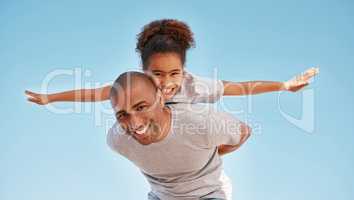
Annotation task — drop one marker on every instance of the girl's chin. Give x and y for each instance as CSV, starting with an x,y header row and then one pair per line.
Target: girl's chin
x,y
168,97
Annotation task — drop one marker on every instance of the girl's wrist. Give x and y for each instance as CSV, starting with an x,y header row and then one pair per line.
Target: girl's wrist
x,y
51,98
284,86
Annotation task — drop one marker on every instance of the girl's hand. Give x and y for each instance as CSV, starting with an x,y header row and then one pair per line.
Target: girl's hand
x,y
300,81
40,99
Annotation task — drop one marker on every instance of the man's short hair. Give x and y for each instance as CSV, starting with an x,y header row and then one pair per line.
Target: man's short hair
x,y
128,79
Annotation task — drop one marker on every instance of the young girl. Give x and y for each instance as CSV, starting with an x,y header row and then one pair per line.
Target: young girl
x,y
162,45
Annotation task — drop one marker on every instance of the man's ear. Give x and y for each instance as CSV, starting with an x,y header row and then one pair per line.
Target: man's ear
x,y
147,72
160,97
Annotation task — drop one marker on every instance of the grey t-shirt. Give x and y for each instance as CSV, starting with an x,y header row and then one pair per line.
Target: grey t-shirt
x,y
196,89
185,164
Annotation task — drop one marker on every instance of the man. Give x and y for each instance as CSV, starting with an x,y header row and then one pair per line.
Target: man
x,y
177,146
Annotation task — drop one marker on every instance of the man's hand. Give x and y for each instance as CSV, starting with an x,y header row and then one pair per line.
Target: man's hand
x,y
224,149
298,82
40,99
245,132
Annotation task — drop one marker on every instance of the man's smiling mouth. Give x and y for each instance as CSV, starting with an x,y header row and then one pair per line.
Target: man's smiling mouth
x,y
142,131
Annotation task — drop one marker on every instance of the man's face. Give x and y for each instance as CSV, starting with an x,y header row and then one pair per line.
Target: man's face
x,y
138,109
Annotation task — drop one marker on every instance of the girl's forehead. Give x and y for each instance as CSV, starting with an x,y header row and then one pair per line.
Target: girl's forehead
x,y
164,61
165,69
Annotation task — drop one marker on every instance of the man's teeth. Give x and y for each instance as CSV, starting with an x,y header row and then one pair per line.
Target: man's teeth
x,y
142,131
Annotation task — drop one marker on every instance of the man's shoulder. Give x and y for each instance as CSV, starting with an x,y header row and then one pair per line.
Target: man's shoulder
x,y
192,112
115,137
192,108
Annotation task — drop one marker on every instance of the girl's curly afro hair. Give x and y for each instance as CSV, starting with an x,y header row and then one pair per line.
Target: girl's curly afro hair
x,y
164,36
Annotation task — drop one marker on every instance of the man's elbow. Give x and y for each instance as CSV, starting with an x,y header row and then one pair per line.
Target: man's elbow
x,y
245,132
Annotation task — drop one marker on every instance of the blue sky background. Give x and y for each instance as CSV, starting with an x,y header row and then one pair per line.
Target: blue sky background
x,y
44,155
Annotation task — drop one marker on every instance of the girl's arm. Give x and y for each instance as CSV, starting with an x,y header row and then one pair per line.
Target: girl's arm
x,y
258,87
81,95
251,87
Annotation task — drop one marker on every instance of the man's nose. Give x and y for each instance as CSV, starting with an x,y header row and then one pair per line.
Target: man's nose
x,y
135,123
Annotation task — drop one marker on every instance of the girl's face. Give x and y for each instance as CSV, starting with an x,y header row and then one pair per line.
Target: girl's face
x,y
167,71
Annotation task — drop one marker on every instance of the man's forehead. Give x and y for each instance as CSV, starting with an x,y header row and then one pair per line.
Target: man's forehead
x,y
132,95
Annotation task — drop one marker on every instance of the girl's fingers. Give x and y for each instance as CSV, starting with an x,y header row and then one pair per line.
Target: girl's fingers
x,y
306,76
298,80
29,92
34,100
299,87
31,99
310,73
32,94
302,80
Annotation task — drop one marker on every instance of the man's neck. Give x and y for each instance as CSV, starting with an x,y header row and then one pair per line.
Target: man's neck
x,y
165,122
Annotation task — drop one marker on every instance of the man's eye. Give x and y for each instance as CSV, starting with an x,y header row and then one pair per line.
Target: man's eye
x,y
140,108
157,74
121,116
175,73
